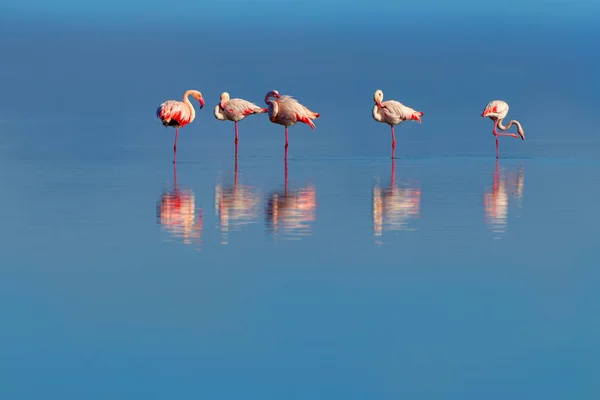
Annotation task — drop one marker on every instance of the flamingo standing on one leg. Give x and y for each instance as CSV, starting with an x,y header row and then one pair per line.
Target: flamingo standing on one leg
x,y
235,110
179,113
285,110
393,112
496,110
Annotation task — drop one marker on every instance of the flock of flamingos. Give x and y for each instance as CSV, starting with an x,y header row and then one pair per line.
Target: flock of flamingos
x,y
295,210
287,111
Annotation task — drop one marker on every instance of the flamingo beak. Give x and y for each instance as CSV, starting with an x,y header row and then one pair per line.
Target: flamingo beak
x,y
379,104
201,100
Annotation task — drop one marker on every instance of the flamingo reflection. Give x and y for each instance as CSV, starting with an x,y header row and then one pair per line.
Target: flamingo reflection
x,y
176,213
394,207
291,212
235,205
496,198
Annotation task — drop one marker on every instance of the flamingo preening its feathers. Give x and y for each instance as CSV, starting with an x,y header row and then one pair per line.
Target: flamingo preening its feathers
x,y
285,110
235,110
393,112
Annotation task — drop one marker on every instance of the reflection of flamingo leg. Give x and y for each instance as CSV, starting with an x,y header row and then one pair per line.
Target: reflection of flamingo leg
x,y
286,177
393,173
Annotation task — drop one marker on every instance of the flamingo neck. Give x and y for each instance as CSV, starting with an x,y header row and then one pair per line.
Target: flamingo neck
x,y
188,103
273,108
377,113
511,123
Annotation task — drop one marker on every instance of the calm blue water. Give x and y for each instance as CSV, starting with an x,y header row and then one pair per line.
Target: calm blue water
x,y
442,275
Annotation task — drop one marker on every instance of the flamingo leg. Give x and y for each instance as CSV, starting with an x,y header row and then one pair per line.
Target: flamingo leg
x,y
393,143
236,134
175,145
509,134
496,134
286,142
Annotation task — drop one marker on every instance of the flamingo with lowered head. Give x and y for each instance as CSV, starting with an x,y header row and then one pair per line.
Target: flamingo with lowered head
x,y
178,114
235,110
496,110
393,112
285,110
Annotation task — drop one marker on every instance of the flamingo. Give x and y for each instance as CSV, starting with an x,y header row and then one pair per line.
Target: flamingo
x,y
496,110
393,112
179,113
285,110
235,110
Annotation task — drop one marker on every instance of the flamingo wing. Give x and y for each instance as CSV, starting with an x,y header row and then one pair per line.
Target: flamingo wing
x,y
495,108
398,111
242,107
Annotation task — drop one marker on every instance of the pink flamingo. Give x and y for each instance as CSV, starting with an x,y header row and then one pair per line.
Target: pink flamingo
x,y
179,113
496,110
235,110
285,110
393,112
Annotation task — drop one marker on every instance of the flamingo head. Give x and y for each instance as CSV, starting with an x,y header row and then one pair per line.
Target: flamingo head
x,y
224,99
378,97
198,96
272,93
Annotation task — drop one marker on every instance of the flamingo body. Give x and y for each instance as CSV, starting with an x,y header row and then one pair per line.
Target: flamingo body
x,y
235,109
175,113
495,109
393,113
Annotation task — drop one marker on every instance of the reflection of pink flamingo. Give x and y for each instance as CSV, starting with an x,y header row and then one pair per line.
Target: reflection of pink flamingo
x,y
235,206
235,110
394,206
496,200
393,112
497,110
292,210
177,213
285,110
179,113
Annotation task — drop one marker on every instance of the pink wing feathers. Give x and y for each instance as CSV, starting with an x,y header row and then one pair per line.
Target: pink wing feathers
x,y
174,113
496,108
235,107
294,110
395,110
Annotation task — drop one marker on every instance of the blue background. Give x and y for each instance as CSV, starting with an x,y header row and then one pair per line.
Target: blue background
x,y
99,300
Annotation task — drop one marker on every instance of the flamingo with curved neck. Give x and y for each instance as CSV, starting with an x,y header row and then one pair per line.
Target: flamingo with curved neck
x,y
496,110
178,114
